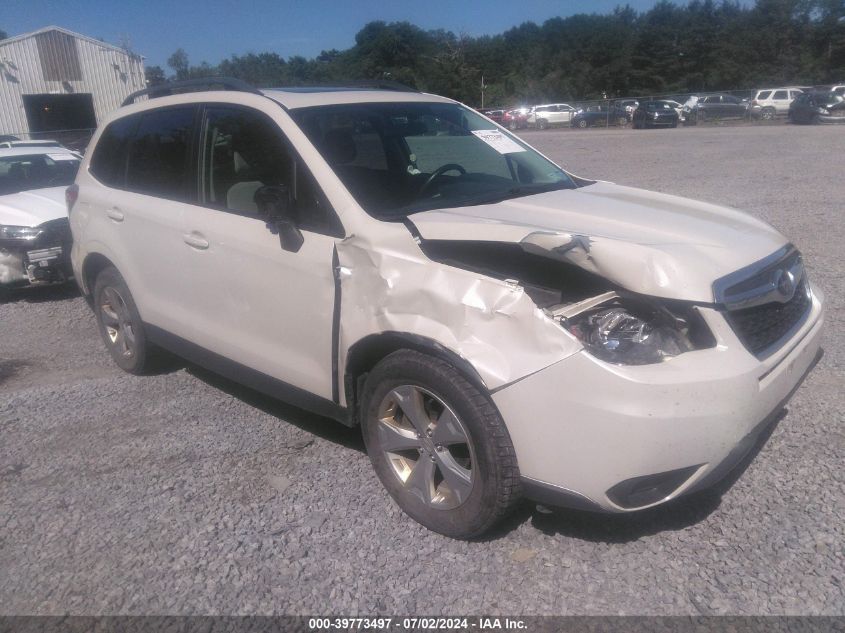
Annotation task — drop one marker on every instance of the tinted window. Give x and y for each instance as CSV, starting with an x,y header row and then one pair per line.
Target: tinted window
x,y
159,153
779,94
243,151
764,94
108,164
730,99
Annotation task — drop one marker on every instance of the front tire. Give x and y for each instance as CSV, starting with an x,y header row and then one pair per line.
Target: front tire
x,y
582,123
438,445
120,324
542,124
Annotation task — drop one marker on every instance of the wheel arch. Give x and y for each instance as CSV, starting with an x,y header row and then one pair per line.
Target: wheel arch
x,y
366,353
91,267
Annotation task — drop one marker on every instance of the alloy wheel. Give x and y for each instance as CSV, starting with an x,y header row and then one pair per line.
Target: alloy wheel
x,y
427,446
117,321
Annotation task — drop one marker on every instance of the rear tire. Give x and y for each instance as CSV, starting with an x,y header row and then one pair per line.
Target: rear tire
x,y
438,445
120,324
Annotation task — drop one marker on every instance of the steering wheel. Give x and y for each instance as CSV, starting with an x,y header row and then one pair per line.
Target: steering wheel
x,y
439,172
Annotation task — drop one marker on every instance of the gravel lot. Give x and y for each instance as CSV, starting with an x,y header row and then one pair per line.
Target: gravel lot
x,y
182,493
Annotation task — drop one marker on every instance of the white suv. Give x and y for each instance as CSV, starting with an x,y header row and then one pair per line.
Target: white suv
x,y
497,327
546,115
771,102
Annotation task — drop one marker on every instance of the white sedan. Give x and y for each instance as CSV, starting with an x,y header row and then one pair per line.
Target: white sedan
x,y
35,237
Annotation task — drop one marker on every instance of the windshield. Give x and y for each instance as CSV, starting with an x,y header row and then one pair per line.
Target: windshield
x,y
37,171
400,158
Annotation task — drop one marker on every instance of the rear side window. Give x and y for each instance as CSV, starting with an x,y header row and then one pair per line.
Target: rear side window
x,y
159,154
779,94
108,164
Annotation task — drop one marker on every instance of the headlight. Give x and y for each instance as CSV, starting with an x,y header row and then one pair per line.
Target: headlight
x,y
633,331
8,232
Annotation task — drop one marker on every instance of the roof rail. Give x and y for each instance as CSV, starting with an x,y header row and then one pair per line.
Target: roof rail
x,y
365,84
191,85
379,84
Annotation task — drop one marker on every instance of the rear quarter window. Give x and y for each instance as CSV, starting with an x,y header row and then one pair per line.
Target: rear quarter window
x,y
108,163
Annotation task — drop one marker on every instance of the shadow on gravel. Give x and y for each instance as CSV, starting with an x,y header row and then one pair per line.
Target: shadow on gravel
x,y
40,294
588,526
325,428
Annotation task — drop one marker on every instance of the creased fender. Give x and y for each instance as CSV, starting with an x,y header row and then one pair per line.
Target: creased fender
x,y
490,323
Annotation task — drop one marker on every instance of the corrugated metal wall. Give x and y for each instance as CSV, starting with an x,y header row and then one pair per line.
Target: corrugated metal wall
x,y
108,73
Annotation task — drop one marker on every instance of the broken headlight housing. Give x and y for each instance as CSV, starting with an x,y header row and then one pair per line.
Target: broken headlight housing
x,y
633,331
9,232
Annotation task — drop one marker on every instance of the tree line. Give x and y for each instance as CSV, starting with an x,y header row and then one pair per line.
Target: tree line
x,y
699,46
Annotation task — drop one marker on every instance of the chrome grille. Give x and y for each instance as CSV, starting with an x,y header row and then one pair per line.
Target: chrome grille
x,y
764,328
766,302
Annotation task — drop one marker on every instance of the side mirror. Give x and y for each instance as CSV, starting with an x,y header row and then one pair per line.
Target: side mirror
x,y
274,202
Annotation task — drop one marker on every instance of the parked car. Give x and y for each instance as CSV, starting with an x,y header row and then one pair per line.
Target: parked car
x,y
497,326
678,107
627,106
516,119
598,115
818,107
494,115
771,102
34,232
655,114
715,106
549,114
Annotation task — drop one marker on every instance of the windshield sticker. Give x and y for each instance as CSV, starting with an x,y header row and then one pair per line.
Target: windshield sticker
x,y
62,156
498,141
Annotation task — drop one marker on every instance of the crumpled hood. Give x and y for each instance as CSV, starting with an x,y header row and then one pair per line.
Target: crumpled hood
x,y
646,242
31,208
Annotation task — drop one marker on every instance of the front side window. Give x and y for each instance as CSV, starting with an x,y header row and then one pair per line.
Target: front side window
x,y
242,151
159,153
37,171
764,94
421,156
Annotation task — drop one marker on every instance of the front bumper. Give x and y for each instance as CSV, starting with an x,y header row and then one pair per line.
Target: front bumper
x,y
45,259
589,434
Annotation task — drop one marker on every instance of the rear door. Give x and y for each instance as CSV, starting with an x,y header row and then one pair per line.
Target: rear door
x,y
780,101
142,164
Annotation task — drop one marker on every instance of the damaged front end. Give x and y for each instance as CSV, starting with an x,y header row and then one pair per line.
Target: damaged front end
x,y
35,255
614,325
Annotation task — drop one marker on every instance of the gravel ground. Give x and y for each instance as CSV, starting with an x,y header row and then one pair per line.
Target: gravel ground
x,y
182,493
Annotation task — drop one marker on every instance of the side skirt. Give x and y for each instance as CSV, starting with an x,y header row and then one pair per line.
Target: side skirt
x,y
246,376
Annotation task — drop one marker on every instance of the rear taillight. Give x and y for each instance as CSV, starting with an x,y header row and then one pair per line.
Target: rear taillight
x,y
71,194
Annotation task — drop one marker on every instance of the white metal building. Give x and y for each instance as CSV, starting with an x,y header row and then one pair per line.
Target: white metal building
x,y
54,79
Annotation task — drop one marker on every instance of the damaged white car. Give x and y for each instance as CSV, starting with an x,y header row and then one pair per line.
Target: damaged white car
x,y
34,233
498,327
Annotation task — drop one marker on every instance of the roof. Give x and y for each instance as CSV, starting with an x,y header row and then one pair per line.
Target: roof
x,y
293,98
23,36
32,151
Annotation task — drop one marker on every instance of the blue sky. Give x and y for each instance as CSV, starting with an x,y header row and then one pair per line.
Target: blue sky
x,y
210,30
